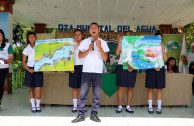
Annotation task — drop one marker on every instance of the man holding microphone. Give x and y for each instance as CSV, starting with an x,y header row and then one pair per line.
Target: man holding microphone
x,y
94,50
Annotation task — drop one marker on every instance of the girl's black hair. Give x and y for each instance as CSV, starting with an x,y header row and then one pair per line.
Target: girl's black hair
x,y
158,33
80,32
3,41
174,68
30,33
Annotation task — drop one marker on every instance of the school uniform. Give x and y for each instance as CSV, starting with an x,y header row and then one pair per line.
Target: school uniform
x,y
156,79
4,68
32,79
75,78
92,73
124,78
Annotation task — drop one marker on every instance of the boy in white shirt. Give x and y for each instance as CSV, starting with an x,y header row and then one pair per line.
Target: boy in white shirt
x,y
94,50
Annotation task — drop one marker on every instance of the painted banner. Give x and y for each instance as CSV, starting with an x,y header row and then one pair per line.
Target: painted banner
x,y
54,55
173,44
142,51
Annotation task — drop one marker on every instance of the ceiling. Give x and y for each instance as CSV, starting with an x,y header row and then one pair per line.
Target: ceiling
x,y
105,12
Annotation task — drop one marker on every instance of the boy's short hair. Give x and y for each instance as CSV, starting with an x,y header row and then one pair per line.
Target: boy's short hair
x,y
94,24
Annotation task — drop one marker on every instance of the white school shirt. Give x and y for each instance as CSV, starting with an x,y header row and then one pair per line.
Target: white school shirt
x,y
30,52
77,61
191,57
4,53
93,62
120,62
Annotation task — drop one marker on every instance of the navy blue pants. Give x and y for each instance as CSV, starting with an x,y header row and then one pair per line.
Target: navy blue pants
x,y
87,79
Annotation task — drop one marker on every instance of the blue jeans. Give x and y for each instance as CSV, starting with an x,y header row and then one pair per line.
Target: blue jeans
x,y
87,79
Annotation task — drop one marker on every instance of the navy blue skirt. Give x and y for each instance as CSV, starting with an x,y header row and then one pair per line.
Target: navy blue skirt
x,y
155,79
75,78
33,79
125,78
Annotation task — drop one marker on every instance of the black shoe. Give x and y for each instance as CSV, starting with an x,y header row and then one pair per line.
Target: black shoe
x,y
38,110
150,110
33,109
129,110
159,111
119,110
74,109
95,118
79,118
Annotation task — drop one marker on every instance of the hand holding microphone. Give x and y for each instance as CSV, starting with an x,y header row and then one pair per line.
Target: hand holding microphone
x,y
92,42
91,47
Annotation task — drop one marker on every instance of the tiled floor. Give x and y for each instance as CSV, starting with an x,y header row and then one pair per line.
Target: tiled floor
x,y
16,112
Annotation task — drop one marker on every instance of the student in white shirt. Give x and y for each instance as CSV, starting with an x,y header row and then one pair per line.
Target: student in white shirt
x,y
155,79
124,79
75,76
6,57
93,54
33,80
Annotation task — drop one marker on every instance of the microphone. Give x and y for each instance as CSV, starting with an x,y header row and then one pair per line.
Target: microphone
x,y
92,41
